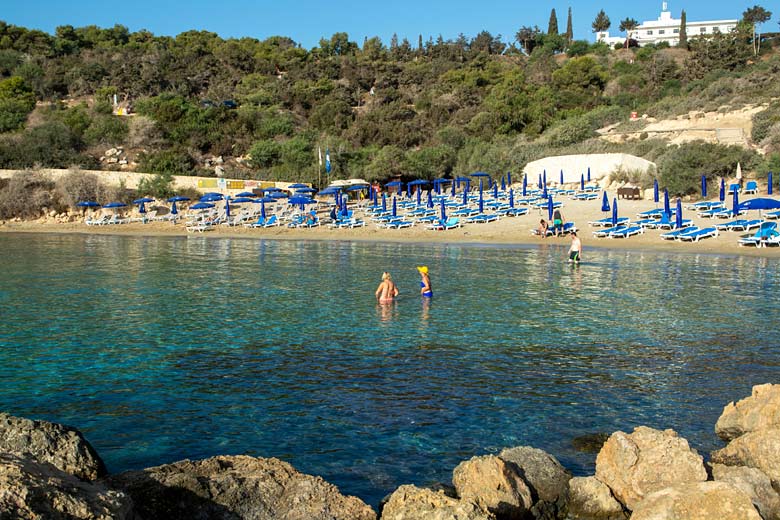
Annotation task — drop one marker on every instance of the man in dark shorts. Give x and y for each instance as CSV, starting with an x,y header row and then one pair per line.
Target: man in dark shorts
x,y
557,222
575,250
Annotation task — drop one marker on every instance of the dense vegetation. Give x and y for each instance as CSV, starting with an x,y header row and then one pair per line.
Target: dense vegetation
x,y
440,107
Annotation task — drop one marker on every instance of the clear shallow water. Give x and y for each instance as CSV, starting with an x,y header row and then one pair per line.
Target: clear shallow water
x,y
160,349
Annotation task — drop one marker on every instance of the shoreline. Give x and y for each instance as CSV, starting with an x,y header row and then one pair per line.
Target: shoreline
x,y
511,231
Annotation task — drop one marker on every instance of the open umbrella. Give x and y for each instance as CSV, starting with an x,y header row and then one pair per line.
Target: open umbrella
x,y
246,194
306,189
759,204
241,200
614,212
297,186
202,205
87,204
722,194
667,209
112,205
549,208
211,197
655,192
703,186
769,183
178,198
144,200
678,215
604,203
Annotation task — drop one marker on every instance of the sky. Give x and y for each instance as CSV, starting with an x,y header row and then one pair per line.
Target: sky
x,y
306,21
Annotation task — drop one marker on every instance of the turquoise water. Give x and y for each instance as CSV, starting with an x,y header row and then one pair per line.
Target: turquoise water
x,y
160,349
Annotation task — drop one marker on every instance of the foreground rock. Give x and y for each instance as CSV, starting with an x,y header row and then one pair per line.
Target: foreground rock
x,y
494,484
758,412
591,499
30,489
547,479
236,487
61,446
759,449
413,503
647,460
697,501
755,484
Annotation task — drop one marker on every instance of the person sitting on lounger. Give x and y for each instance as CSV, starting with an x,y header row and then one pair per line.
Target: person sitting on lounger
x,y
387,289
557,222
311,218
543,227
425,283
575,250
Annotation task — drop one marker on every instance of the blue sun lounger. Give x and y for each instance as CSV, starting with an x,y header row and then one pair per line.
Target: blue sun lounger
x,y
672,235
627,231
772,215
606,232
607,222
443,225
767,233
696,235
739,225
482,218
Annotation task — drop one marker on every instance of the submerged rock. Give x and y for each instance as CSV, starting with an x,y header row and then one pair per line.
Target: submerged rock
x,y
759,411
647,460
696,501
547,479
491,482
61,446
755,484
759,449
413,503
591,499
32,489
590,443
236,487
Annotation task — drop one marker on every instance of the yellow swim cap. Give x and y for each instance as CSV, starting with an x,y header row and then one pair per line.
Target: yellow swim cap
x,y
423,269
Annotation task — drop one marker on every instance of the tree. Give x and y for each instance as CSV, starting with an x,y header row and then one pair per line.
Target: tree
x,y
16,102
552,26
756,15
569,29
526,37
601,23
628,26
683,41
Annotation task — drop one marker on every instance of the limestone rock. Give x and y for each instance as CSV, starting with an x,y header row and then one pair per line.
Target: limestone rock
x,y
696,501
759,449
31,489
759,411
236,487
61,446
755,484
494,484
413,503
647,460
219,171
591,499
547,479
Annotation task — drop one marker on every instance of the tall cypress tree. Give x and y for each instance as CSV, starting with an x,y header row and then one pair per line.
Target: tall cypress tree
x,y
552,27
683,44
569,29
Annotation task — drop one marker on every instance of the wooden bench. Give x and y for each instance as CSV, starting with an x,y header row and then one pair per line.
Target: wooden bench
x,y
629,193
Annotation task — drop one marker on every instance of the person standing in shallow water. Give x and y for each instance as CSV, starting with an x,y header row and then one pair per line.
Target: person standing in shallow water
x,y
387,289
575,250
425,282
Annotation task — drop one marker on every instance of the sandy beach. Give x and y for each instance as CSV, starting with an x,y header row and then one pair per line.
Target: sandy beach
x,y
508,230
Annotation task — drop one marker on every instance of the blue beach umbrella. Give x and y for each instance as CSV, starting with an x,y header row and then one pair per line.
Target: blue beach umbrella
x,y
87,204
503,184
144,200
112,205
395,209
465,197
394,184
525,185
480,188
509,179
722,194
430,199
297,186
495,190
174,209
481,200
655,192
242,200
142,208
561,176
667,208
614,212
443,210
272,189
511,198
544,193
384,202
604,203
588,173
549,208
452,190
227,207
678,215
540,181
582,182
178,198
419,195
760,204
306,189
769,183
202,205
735,203
703,186
544,177
246,194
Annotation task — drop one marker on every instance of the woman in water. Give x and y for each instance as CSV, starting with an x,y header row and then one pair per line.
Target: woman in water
x,y
387,289
425,282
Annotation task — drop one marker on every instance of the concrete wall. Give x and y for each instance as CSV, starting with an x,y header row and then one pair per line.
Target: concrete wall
x,y
601,166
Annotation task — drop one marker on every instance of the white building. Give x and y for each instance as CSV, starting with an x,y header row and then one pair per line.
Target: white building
x,y
667,29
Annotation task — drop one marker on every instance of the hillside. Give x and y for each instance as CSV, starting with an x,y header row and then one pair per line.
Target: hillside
x,y
245,108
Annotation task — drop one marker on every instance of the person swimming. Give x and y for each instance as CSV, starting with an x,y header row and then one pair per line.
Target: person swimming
x,y
425,283
387,289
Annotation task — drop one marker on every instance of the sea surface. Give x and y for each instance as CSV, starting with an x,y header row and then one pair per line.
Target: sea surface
x,y
160,349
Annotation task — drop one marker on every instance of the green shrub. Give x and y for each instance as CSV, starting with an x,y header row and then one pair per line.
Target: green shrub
x,y
176,161
265,153
106,129
570,131
763,122
27,195
159,186
578,48
76,186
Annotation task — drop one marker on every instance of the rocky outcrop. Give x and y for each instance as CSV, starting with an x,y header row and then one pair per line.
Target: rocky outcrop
x,y
760,411
759,449
32,489
547,479
591,499
696,501
494,484
755,484
236,487
647,460
413,503
61,446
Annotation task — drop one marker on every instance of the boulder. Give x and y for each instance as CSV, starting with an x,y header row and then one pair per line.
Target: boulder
x,y
696,501
759,449
759,411
61,446
547,479
236,487
647,460
32,489
491,482
591,499
755,484
413,503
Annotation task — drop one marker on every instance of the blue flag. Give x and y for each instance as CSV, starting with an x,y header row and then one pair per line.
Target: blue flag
x,y
327,160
